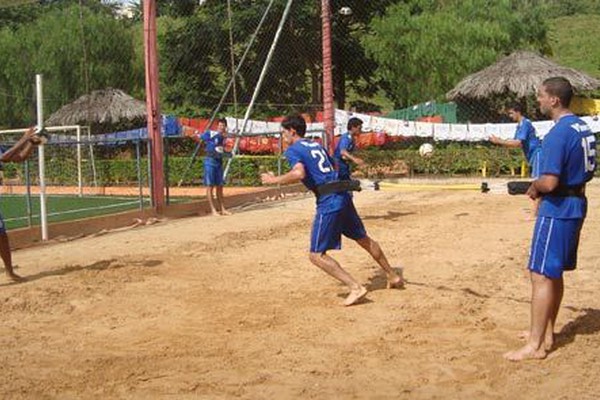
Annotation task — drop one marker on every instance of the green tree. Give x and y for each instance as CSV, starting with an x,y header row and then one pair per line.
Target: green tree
x,y
295,73
74,55
424,47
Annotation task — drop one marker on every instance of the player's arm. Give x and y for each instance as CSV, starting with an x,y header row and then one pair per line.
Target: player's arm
x,y
347,156
545,184
510,143
296,174
21,150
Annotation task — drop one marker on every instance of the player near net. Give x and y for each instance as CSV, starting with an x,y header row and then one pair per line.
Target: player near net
x,y
213,166
336,215
19,152
345,147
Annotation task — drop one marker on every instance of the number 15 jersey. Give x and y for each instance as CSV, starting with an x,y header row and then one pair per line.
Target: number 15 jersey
x,y
568,152
319,170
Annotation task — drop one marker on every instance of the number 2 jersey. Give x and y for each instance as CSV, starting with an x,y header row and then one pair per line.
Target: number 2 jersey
x,y
569,152
319,170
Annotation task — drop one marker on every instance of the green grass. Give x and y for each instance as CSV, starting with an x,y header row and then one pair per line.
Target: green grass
x,y
574,42
65,208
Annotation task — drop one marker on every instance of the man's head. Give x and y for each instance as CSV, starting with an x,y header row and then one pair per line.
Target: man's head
x,y
294,127
222,126
515,112
555,94
354,126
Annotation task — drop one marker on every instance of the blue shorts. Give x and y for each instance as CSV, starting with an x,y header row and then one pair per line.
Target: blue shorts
x,y
2,225
535,164
327,229
213,174
554,246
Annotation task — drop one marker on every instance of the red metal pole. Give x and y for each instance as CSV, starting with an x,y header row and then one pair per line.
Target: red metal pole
x,y
328,109
152,105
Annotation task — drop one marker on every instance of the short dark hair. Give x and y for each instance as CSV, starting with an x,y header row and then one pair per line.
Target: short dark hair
x,y
518,107
354,122
295,122
222,121
560,87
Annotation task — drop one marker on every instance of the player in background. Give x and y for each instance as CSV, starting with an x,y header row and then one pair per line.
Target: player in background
x,y
345,147
213,166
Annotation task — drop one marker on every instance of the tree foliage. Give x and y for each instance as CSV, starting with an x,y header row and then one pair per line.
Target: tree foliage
x,y
424,47
75,49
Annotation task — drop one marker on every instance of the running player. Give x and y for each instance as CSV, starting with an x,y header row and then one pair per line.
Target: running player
x,y
336,215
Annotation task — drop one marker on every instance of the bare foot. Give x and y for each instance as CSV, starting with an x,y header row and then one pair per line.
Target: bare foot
x,y
14,277
355,295
225,212
548,340
395,280
215,213
526,352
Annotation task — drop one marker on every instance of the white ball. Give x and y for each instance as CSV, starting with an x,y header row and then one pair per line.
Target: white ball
x,y
426,150
345,11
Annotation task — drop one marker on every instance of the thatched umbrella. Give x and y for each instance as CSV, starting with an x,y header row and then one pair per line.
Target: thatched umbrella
x,y
519,73
100,107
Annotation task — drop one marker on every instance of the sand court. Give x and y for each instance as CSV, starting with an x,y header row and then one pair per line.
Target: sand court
x,y
230,307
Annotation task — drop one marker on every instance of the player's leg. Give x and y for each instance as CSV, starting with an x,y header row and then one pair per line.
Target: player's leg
x,y
221,201
553,247
571,232
210,182
219,183
542,303
6,255
559,289
355,230
334,269
326,235
211,200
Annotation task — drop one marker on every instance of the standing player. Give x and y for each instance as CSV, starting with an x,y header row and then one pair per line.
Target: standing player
x,y
525,138
568,162
336,215
345,148
213,166
17,153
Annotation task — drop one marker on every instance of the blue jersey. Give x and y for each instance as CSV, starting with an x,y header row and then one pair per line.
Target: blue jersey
x,y
569,152
214,147
345,143
319,170
529,141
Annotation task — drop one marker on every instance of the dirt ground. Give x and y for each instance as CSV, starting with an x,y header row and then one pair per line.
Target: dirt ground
x,y
230,307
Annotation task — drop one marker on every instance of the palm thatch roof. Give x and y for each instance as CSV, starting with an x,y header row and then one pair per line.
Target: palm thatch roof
x,y
109,106
520,73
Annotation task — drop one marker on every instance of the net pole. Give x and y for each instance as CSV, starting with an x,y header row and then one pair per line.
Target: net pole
x,y
263,73
79,173
328,109
138,162
41,158
153,106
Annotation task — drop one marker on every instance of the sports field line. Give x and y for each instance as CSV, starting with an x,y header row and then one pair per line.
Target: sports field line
x,y
79,210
